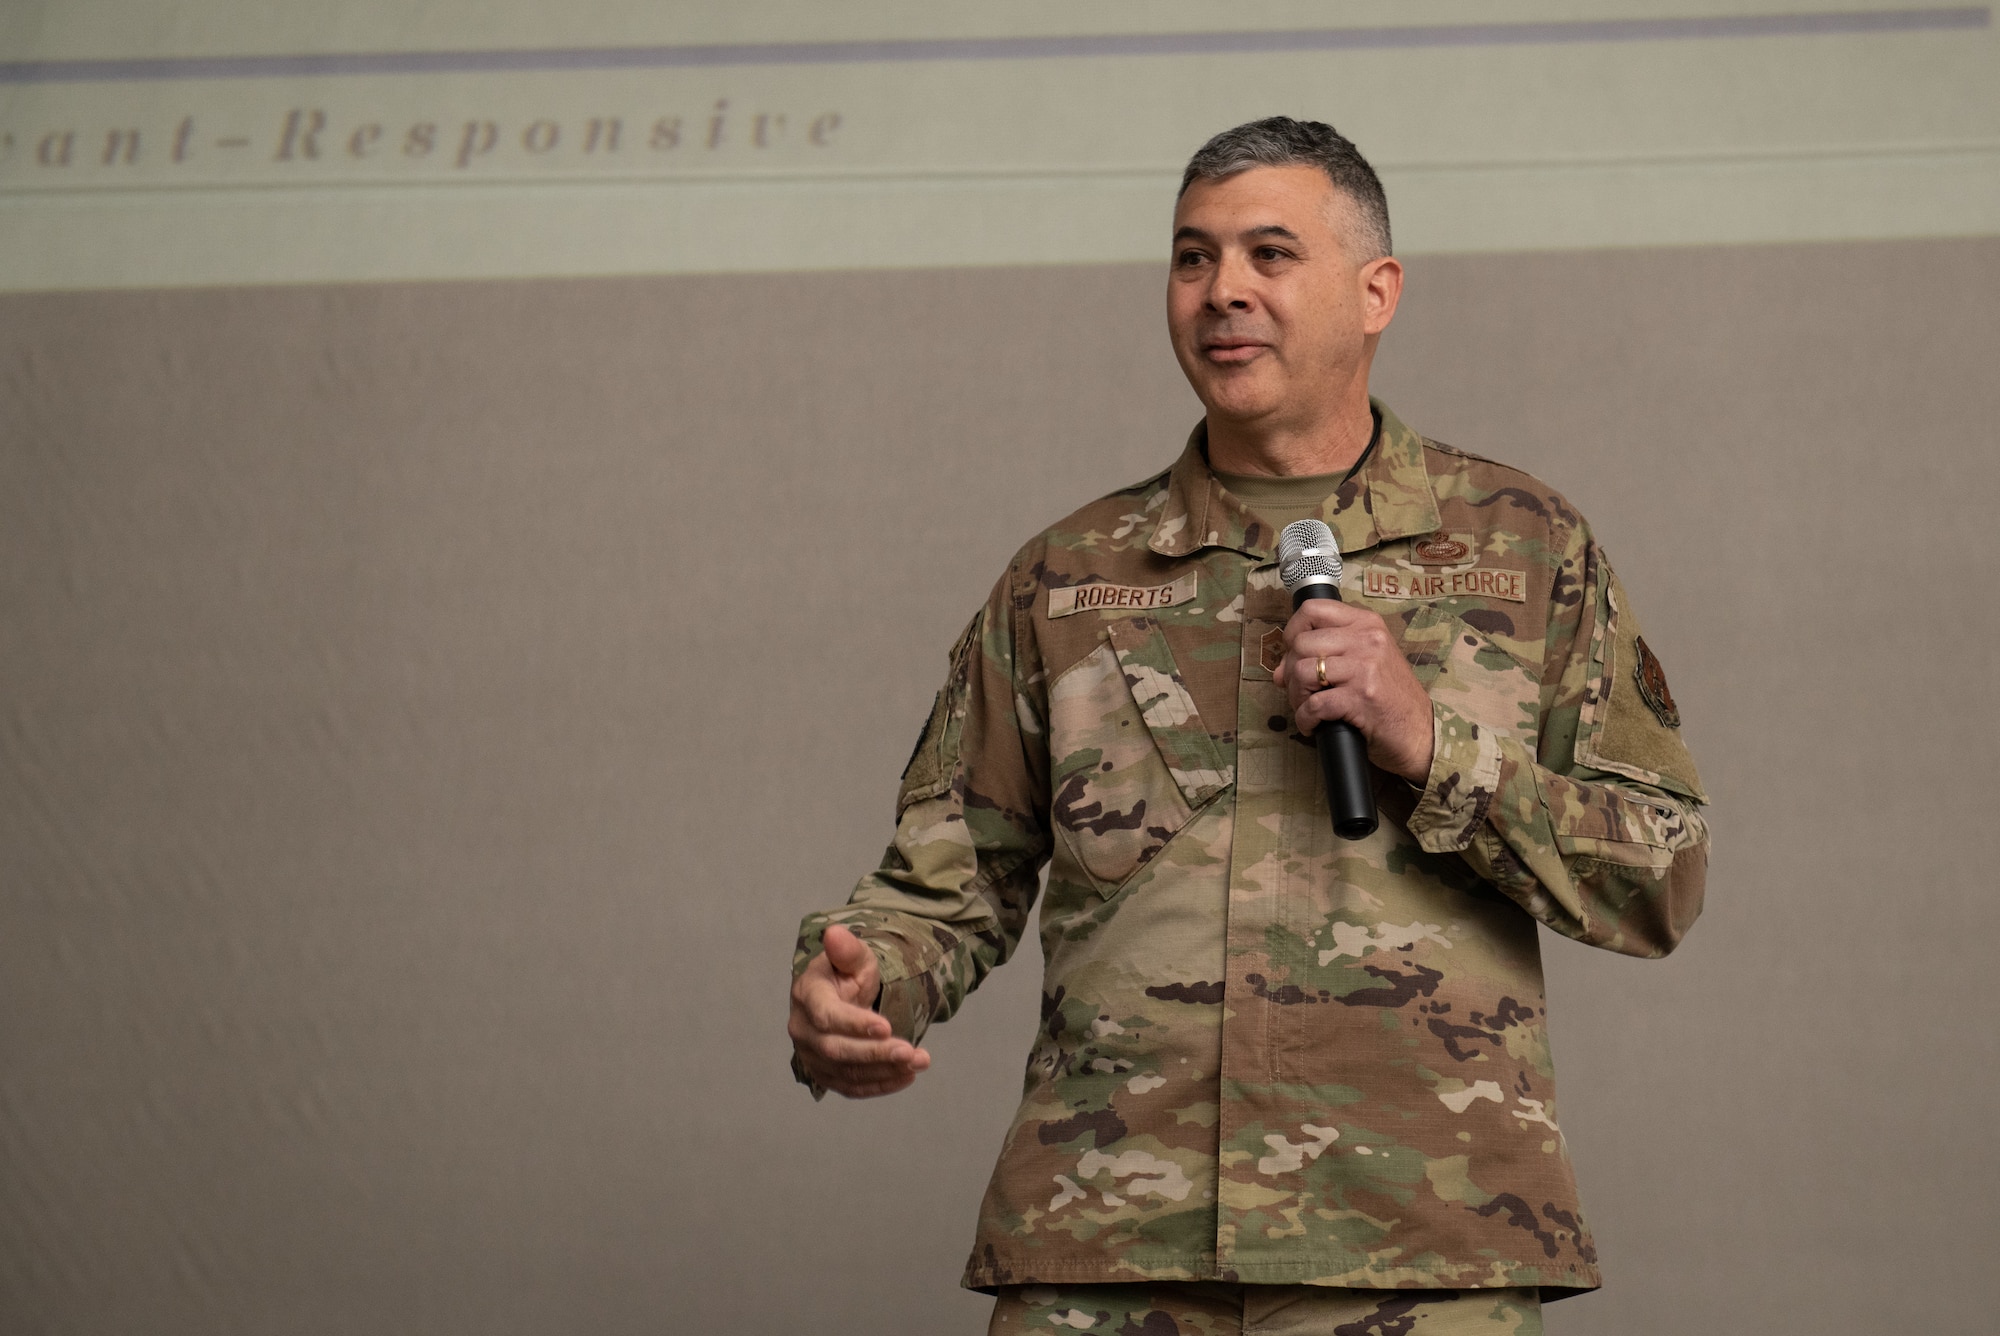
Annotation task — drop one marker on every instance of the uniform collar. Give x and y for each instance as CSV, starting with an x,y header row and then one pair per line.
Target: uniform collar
x,y
1389,498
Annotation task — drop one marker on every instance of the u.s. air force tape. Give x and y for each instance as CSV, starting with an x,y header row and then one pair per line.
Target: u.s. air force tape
x,y
1479,582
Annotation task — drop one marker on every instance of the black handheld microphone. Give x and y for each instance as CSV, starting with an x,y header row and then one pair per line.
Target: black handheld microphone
x,y
1309,565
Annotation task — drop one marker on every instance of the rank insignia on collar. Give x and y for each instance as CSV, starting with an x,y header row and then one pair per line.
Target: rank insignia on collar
x,y
1652,680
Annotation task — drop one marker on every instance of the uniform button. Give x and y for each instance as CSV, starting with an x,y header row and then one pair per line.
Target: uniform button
x,y
1277,723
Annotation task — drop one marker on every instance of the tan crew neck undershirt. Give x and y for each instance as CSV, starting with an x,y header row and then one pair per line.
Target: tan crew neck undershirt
x,y
1280,501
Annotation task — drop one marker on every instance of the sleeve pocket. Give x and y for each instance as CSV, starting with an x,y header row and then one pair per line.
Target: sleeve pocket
x,y
935,758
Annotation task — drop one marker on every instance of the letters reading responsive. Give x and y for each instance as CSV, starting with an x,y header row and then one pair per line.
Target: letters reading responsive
x,y
305,136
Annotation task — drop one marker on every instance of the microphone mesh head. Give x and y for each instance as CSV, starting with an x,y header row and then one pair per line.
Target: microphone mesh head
x,y
1307,555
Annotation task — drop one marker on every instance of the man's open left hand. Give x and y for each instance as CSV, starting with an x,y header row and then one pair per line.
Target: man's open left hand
x,y
1368,683
841,1042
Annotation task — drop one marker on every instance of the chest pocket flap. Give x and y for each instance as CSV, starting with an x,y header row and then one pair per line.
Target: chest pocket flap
x,y
1130,761
1191,753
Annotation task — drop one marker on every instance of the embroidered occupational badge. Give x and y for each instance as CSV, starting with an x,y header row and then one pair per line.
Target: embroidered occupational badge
x,y
1652,680
1442,549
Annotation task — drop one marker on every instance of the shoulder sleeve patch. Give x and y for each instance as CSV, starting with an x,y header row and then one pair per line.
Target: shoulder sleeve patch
x,y
1652,680
1630,725
935,758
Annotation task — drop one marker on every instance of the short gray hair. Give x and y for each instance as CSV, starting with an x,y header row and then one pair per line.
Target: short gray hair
x,y
1280,141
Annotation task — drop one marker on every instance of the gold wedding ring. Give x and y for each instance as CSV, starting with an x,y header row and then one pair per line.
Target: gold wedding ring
x,y
1322,674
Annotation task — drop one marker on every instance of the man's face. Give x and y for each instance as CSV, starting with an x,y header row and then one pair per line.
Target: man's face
x,y
1271,316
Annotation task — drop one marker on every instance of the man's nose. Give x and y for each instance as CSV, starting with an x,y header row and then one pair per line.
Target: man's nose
x,y
1228,289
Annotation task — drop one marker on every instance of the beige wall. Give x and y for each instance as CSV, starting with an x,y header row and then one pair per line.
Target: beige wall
x,y
428,709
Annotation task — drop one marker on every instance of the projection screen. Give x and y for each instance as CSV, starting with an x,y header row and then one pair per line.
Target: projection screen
x,y
486,492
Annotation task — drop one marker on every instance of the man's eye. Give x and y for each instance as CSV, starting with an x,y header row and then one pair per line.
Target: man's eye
x,y
1188,259
1269,253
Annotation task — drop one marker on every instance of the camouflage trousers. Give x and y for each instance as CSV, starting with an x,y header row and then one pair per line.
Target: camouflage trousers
x,y
1202,1308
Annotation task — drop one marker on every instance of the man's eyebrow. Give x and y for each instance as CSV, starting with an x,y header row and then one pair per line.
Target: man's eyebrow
x,y
1267,230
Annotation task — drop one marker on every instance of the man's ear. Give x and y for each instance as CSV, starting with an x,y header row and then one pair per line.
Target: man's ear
x,y
1381,290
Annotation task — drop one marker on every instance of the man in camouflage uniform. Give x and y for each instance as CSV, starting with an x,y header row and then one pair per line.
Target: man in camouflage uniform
x,y
1285,1082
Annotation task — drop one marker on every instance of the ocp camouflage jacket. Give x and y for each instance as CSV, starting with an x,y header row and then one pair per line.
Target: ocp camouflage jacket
x,y
1269,1055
